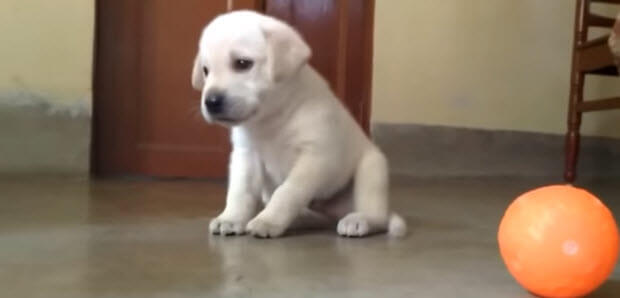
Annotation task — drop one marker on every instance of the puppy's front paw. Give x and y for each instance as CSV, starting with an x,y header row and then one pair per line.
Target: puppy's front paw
x,y
262,228
353,225
226,227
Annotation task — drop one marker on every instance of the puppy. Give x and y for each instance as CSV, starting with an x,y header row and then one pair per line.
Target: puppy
x,y
294,144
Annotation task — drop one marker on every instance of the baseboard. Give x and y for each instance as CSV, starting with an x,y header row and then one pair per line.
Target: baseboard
x,y
435,151
36,138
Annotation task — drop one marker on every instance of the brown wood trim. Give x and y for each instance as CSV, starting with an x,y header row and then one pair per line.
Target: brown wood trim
x,y
94,143
599,104
117,32
368,63
360,60
341,67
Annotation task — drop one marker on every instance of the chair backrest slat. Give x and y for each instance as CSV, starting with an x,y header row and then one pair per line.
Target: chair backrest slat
x,y
595,20
607,1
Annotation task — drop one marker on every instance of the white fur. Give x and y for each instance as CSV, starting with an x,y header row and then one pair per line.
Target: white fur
x,y
294,143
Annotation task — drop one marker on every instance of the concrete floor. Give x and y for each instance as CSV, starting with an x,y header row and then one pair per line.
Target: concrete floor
x,y
75,238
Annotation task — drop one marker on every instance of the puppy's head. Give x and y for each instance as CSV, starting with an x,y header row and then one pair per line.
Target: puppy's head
x,y
242,55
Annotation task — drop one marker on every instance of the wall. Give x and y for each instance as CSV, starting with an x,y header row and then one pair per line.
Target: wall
x,y
45,85
499,65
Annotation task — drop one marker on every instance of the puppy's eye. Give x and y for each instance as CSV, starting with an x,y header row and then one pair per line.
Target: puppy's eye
x,y
205,71
242,64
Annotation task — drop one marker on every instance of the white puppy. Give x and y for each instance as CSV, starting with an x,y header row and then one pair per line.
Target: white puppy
x,y
294,144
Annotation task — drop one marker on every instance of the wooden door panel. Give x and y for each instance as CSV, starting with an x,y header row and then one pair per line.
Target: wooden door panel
x,y
147,119
172,138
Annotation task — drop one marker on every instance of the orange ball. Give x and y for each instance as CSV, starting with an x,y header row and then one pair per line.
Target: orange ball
x,y
559,241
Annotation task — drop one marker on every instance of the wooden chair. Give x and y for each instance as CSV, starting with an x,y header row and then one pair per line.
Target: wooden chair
x,y
589,57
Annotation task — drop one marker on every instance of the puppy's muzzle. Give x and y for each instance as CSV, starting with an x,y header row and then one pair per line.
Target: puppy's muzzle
x,y
215,102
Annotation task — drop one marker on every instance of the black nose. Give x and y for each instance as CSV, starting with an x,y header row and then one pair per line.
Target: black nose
x,y
215,102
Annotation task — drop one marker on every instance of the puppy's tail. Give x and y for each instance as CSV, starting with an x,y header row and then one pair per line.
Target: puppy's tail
x,y
397,227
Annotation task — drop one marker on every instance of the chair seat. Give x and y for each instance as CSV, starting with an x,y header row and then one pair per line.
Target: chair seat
x,y
595,57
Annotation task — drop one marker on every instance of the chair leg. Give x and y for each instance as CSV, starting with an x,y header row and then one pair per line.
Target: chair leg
x,y
572,154
574,124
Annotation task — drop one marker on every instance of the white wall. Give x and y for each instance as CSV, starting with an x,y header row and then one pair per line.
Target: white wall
x,y
491,64
46,50
46,54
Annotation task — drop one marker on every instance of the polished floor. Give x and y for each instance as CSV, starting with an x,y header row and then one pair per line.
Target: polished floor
x,y
67,237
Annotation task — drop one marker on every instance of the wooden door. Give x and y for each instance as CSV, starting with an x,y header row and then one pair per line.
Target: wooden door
x,y
146,116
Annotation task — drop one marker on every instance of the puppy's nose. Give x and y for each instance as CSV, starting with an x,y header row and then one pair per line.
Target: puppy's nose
x,y
215,102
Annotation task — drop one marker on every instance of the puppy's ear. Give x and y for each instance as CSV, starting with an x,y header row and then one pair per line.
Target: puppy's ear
x,y
288,52
198,80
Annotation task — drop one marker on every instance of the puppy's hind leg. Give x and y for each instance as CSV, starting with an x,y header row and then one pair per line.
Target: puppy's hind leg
x,y
371,212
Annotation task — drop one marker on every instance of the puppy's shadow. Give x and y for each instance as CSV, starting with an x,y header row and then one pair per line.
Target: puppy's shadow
x,y
301,232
